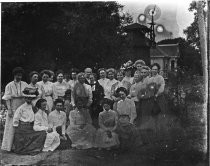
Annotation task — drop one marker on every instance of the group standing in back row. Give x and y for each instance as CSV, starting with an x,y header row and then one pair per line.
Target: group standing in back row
x,y
82,112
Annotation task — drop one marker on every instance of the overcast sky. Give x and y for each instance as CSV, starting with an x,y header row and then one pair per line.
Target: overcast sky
x,y
174,14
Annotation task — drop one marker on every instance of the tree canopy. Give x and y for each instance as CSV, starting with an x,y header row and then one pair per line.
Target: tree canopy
x,y
61,35
192,32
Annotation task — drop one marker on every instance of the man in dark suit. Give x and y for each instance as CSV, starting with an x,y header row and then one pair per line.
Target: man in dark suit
x,y
88,72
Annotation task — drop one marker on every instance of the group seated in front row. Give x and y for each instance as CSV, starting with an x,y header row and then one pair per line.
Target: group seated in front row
x,y
36,132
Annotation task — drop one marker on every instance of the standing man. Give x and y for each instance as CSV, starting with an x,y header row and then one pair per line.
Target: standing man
x,y
88,72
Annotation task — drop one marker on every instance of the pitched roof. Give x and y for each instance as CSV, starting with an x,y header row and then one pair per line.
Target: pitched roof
x,y
165,50
137,26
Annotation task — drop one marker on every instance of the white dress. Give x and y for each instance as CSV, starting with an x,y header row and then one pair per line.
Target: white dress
x,y
48,93
13,92
129,79
107,122
103,81
108,87
59,89
81,137
41,123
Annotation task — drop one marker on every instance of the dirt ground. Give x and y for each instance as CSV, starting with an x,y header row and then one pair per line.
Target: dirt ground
x,y
164,153
179,146
144,157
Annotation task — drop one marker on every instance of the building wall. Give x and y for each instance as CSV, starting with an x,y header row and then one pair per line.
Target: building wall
x,y
138,48
159,61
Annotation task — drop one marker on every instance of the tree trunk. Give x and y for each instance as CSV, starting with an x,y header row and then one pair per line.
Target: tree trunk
x,y
203,43
208,53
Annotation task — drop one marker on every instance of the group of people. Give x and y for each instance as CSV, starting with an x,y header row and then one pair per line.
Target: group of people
x,y
81,112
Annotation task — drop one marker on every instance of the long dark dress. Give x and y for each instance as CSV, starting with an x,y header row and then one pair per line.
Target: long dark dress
x,y
26,140
125,129
151,109
96,107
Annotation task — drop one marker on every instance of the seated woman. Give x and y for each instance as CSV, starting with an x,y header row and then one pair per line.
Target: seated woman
x,y
106,136
57,120
41,124
26,140
126,114
80,130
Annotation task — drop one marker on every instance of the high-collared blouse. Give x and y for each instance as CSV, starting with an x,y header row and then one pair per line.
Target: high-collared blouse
x,y
128,79
72,84
141,88
40,121
77,118
23,113
127,107
108,87
133,92
14,90
107,119
159,80
88,90
119,84
47,86
103,81
56,119
59,89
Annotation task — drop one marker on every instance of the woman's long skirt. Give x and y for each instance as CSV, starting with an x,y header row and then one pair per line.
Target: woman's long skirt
x,y
9,129
105,141
27,141
151,111
82,138
127,134
49,103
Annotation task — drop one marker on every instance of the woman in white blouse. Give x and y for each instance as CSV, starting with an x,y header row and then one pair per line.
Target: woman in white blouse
x,y
159,81
59,87
26,140
14,98
47,86
126,111
110,82
41,124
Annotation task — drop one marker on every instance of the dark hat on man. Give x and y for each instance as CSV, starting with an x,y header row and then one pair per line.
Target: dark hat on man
x,y
18,70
